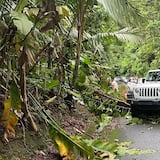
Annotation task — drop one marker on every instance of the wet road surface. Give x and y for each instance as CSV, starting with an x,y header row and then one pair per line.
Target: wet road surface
x,y
144,136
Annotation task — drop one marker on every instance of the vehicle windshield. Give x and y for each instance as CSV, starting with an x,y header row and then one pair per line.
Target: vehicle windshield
x,y
153,76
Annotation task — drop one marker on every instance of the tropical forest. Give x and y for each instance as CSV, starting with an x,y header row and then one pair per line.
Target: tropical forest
x,y
58,61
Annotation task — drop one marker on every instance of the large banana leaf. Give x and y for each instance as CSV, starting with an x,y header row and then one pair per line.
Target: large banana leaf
x,y
56,131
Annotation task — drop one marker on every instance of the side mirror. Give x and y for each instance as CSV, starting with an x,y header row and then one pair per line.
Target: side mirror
x,y
143,80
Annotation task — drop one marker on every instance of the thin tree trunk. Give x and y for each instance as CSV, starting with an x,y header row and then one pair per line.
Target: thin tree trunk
x,y
25,110
81,13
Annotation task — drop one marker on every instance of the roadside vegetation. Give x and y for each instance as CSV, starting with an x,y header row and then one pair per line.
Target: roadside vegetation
x,y
59,55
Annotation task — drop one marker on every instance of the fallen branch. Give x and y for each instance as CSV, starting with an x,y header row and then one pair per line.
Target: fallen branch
x,y
119,102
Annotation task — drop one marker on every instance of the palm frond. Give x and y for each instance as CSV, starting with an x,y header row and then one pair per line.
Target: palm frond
x,y
122,12
56,130
126,34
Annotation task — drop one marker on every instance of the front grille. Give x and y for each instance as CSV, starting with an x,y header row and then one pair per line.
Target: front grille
x,y
149,92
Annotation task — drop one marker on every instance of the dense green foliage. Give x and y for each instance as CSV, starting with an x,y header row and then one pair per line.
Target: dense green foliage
x,y
133,59
57,50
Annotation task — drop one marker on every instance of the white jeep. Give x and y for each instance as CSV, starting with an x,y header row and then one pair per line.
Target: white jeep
x,y
145,95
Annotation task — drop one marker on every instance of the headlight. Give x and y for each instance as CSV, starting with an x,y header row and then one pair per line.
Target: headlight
x,y
137,90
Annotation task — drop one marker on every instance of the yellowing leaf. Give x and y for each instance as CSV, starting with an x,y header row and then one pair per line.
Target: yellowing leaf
x,y
9,120
13,120
50,100
63,149
63,10
17,47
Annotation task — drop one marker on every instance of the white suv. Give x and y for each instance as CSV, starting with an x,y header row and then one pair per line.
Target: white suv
x,y
146,95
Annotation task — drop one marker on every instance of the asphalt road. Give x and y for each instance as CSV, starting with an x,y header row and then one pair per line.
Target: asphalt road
x,y
144,136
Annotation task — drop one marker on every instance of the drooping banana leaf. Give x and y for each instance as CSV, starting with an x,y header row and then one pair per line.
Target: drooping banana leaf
x,y
55,130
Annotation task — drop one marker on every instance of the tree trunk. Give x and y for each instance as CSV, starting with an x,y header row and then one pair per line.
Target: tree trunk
x,y
25,110
80,25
